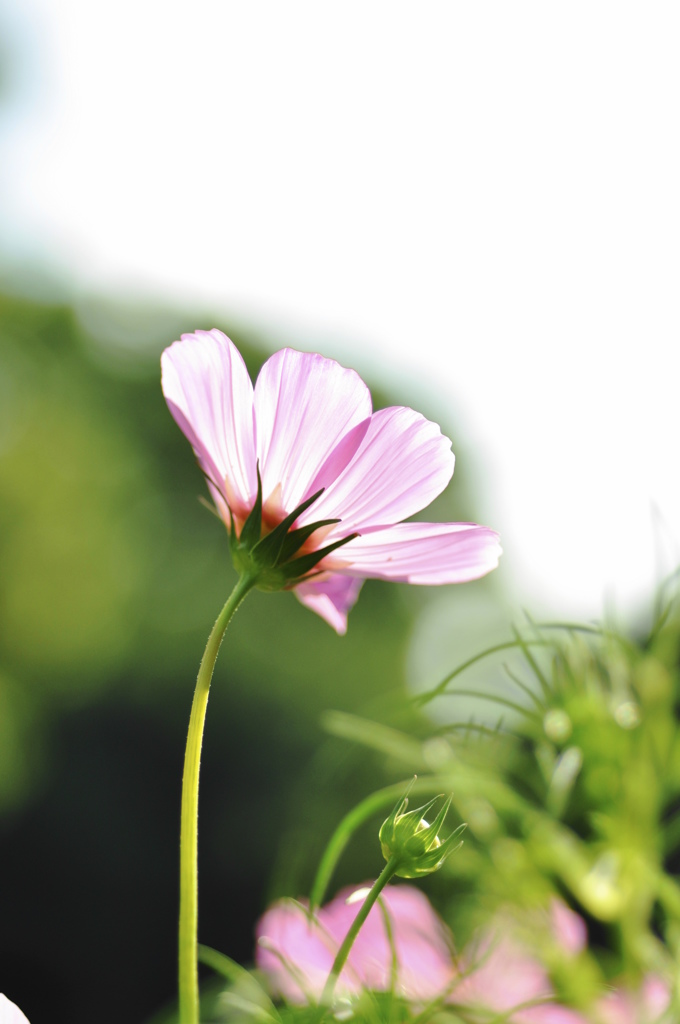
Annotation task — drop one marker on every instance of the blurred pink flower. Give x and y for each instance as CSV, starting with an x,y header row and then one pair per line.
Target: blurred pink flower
x,y
644,1006
498,974
509,974
507,977
9,1013
297,952
568,928
308,423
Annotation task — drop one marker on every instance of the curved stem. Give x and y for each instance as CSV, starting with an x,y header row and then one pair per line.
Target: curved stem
x,y
342,954
188,846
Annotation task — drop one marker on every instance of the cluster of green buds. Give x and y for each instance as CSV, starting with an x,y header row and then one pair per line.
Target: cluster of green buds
x,y
271,557
411,843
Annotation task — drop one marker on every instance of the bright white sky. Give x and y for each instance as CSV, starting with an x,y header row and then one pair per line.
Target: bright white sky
x,y
480,200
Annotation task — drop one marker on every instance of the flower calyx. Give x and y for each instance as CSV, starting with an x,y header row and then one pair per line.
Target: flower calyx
x,y
414,844
271,557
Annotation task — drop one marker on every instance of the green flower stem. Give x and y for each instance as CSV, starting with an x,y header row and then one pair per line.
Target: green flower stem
x,y
340,960
189,1010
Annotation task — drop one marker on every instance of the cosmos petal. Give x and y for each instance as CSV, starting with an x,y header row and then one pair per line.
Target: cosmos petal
x,y
331,598
209,393
10,1012
402,464
426,553
309,413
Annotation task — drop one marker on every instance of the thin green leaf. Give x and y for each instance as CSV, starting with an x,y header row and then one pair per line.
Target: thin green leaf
x,y
472,726
533,664
525,689
234,973
483,695
374,735
440,688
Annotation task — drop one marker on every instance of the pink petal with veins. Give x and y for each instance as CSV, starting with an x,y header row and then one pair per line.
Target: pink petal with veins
x,y
307,410
425,553
402,464
209,393
331,598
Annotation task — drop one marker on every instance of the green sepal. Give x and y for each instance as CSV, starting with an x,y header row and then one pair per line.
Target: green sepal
x,y
251,530
415,846
424,837
267,551
435,857
400,809
296,538
301,566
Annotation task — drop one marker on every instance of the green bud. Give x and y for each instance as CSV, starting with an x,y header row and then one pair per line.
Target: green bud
x,y
409,839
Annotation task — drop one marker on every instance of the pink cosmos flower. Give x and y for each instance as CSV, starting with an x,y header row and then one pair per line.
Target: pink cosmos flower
x,y
308,424
296,952
9,1013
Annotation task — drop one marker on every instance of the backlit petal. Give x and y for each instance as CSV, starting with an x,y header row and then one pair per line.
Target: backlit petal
x,y
331,598
403,462
306,407
427,553
209,393
10,1013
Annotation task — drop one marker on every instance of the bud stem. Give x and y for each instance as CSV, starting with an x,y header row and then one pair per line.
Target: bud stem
x,y
189,1010
340,960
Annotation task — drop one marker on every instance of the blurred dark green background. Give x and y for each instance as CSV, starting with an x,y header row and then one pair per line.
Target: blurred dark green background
x,y
111,574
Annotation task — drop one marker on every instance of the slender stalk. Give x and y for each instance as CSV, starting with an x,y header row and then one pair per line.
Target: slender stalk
x,y
342,954
189,1009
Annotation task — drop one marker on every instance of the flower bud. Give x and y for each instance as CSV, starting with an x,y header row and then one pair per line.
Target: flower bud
x,y
413,843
